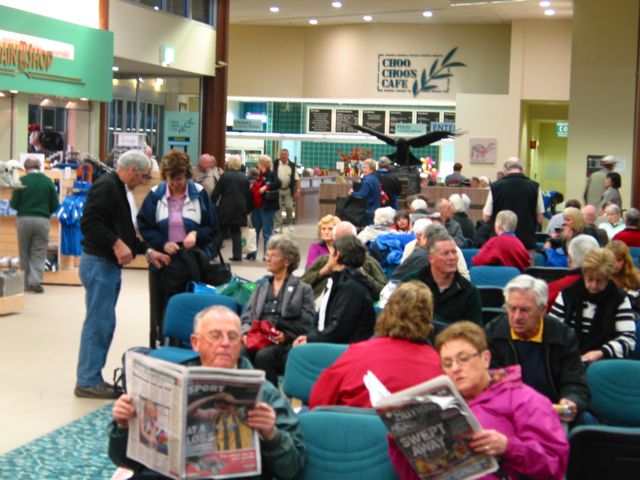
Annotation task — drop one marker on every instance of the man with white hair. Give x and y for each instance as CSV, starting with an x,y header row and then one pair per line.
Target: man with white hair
x,y
505,249
444,207
110,242
207,173
590,216
595,183
631,234
383,219
35,203
389,182
460,204
613,223
518,193
546,349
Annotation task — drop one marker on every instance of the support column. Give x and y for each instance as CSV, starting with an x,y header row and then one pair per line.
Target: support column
x,y
214,91
103,128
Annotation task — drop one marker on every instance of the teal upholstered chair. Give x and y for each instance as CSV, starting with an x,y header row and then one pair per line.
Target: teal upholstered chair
x,y
615,392
345,444
305,364
492,276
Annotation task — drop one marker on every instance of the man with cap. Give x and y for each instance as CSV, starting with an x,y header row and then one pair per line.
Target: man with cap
x,y
595,183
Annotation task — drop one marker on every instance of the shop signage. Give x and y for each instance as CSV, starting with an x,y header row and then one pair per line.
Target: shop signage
x,y
443,127
182,133
562,129
416,73
411,129
246,125
47,56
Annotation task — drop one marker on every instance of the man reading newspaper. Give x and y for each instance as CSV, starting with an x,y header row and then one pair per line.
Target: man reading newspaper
x,y
216,338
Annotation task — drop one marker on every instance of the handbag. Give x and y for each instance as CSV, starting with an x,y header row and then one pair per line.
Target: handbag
x,y
261,334
217,273
351,209
271,195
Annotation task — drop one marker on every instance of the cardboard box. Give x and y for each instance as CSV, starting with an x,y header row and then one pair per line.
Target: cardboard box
x,y
11,283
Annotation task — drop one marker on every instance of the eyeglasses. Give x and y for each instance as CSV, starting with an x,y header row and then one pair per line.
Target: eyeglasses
x,y
461,359
217,336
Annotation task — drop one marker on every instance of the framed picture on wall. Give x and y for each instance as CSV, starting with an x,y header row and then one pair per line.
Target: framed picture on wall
x,y
482,150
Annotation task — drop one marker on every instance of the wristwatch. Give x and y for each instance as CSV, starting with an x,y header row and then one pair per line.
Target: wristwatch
x,y
147,253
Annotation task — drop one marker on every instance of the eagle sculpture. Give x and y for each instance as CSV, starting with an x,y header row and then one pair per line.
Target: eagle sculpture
x,y
403,156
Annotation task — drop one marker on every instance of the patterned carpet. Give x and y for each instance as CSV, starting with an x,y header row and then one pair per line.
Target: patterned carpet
x,y
77,451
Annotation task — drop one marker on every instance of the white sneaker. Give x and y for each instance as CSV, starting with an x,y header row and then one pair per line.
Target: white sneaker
x,y
291,229
277,230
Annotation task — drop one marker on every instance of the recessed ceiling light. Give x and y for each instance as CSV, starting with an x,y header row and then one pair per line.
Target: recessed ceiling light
x,y
115,68
84,99
545,4
367,18
13,91
549,12
336,4
427,13
274,9
313,21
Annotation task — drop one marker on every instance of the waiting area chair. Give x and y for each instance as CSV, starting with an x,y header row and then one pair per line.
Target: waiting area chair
x,y
493,276
178,324
345,443
615,392
599,452
548,274
468,254
305,364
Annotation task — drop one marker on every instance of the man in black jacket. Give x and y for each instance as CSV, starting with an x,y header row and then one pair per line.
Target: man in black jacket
x,y
346,313
546,349
109,243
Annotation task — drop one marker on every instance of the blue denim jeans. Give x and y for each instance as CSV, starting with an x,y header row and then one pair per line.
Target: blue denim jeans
x,y
262,219
101,279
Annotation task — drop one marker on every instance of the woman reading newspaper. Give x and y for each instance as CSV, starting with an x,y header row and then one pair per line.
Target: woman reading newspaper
x,y
520,427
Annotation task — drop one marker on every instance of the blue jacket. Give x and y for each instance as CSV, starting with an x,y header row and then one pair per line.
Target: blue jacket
x,y
369,189
198,214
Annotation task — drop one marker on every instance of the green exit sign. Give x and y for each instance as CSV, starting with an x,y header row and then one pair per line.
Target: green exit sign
x,y
562,129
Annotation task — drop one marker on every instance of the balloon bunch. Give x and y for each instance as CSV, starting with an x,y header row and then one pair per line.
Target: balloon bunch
x,y
429,166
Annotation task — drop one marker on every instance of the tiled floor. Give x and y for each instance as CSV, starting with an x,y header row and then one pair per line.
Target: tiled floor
x,y
39,348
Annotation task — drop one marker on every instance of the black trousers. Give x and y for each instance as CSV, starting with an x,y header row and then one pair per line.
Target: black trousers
x,y
157,305
270,359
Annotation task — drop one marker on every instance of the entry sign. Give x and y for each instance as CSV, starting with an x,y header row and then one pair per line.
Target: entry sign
x,y
562,129
411,129
443,127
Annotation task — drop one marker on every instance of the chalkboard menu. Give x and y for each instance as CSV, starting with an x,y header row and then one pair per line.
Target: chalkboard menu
x,y
320,120
343,120
399,116
374,119
427,118
449,117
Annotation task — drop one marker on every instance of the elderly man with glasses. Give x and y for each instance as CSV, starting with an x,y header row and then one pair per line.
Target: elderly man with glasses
x,y
217,338
546,349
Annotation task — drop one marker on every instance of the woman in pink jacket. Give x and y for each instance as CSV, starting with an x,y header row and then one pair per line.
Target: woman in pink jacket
x,y
520,427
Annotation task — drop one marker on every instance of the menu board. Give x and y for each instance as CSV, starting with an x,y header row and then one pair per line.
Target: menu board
x,y
449,117
374,119
427,118
399,116
344,119
320,120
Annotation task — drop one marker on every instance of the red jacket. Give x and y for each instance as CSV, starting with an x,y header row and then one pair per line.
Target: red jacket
x,y
506,250
397,363
630,236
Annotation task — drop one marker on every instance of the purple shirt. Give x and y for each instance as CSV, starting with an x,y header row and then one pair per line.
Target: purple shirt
x,y
176,224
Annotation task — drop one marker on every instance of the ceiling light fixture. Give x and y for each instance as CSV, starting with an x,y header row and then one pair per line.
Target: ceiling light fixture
x,y
13,91
84,99
427,13
336,4
274,9
367,18
313,21
549,12
545,4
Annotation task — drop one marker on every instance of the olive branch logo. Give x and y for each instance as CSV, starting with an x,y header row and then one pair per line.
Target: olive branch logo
x,y
438,71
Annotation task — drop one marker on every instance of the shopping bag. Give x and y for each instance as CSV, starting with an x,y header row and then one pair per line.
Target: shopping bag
x,y
249,240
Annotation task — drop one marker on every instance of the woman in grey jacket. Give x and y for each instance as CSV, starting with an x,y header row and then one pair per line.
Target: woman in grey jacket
x,y
284,300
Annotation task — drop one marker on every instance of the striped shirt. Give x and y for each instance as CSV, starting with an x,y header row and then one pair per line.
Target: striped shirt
x,y
624,341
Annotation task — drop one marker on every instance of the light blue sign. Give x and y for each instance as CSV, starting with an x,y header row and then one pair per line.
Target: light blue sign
x,y
182,133
562,129
443,127
411,129
245,125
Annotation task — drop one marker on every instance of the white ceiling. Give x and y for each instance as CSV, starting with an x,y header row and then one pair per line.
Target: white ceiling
x,y
298,12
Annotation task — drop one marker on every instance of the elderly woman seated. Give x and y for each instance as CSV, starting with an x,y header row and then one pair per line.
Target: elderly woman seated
x,y
383,220
519,425
285,301
399,355
325,245
598,310
505,249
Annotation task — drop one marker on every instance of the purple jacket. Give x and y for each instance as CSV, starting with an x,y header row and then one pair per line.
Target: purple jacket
x,y
316,250
537,447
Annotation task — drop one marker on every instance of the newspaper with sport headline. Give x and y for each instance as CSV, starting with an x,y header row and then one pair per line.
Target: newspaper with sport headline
x,y
191,421
432,425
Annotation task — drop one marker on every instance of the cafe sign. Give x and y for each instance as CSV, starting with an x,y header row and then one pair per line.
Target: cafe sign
x,y
416,73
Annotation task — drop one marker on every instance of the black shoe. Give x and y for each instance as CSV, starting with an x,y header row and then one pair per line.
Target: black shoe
x,y
36,288
251,256
235,259
104,390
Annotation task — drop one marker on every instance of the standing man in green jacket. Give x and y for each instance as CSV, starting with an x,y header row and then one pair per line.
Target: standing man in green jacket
x,y
35,203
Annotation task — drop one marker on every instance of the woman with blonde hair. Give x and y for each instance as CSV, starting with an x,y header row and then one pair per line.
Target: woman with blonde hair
x,y
598,311
399,355
325,245
625,274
